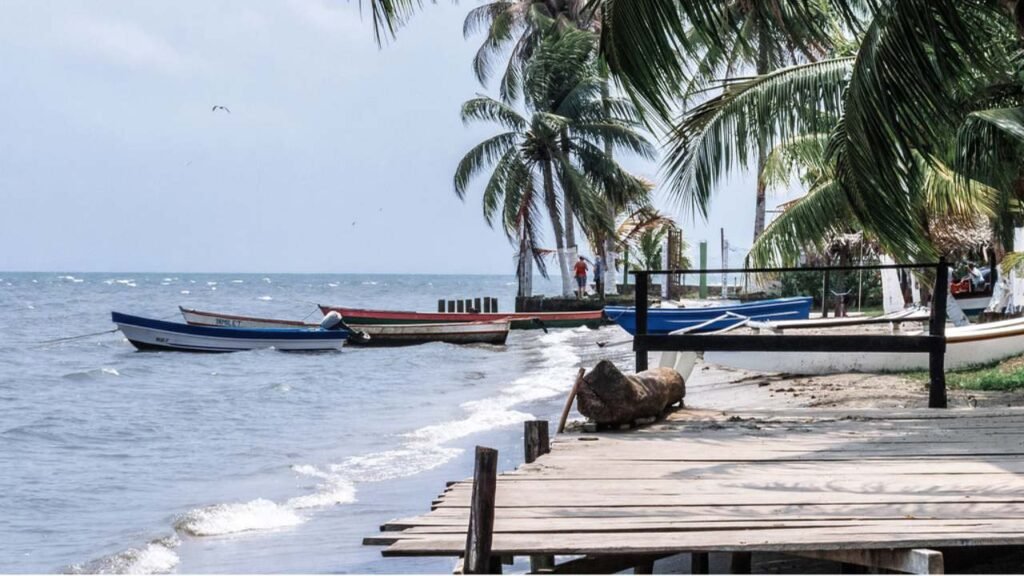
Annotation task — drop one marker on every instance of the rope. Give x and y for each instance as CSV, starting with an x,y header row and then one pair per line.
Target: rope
x,y
89,335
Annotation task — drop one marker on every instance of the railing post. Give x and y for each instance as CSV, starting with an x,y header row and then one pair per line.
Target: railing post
x,y
642,279
480,534
937,329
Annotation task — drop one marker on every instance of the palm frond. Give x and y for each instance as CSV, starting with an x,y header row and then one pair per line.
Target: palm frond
x,y
724,132
488,109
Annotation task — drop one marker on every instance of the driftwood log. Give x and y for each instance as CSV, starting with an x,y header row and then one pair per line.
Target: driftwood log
x,y
607,396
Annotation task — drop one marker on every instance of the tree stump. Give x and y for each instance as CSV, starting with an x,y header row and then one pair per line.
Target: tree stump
x,y
607,396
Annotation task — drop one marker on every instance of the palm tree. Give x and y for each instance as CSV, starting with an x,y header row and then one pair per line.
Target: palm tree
x,y
516,28
555,149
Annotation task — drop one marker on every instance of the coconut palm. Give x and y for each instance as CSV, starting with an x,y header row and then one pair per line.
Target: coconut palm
x,y
555,148
516,28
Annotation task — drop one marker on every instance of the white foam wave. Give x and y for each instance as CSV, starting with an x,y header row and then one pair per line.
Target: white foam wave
x,y
265,298
335,489
238,281
186,291
220,519
425,448
71,278
409,460
156,557
332,284
267,280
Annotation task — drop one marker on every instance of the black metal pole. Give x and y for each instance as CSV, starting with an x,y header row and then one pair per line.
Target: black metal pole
x,y
937,329
642,278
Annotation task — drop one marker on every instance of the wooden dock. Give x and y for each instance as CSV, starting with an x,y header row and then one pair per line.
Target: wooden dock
x,y
884,489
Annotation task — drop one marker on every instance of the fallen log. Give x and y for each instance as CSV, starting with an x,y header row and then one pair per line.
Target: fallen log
x,y
607,396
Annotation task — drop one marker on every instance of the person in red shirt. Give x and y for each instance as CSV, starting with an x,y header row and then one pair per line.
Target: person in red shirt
x,y
580,272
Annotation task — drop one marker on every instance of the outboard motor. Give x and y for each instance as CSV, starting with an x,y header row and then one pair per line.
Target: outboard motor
x,y
332,321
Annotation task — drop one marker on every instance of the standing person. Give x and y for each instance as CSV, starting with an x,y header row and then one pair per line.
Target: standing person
x,y
599,276
580,272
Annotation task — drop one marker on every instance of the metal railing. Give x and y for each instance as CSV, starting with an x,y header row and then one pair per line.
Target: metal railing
x,y
934,343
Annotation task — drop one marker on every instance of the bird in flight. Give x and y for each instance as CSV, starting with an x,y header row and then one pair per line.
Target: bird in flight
x,y
218,107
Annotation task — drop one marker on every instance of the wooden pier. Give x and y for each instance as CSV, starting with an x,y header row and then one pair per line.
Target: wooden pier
x,y
890,490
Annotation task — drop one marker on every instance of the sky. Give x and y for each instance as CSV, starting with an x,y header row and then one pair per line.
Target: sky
x,y
336,156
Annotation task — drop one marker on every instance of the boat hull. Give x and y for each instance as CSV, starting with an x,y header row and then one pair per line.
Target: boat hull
x,y
453,333
965,347
519,320
665,320
149,334
492,332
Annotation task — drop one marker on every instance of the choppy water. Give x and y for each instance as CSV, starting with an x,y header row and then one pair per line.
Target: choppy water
x,y
118,461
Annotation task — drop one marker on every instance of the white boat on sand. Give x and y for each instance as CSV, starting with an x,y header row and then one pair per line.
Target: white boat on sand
x,y
966,346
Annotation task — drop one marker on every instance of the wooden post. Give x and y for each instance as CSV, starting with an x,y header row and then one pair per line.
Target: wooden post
x,y
460,306
451,306
642,279
480,534
469,304
476,305
440,305
536,442
702,290
739,563
937,329
824,296
494,304
568,401
699,563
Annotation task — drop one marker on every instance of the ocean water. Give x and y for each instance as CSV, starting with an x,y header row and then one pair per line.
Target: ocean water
x,y
117,461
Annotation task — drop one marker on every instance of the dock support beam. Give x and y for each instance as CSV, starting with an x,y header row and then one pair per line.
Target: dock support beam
x,y
480,535
907,561
699,563
937,329
739,563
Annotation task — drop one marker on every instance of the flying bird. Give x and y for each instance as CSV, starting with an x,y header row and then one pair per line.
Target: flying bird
x,y
218,107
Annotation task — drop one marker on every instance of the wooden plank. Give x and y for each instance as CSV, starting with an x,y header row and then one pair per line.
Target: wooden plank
x,y
982,533
907,561
535,440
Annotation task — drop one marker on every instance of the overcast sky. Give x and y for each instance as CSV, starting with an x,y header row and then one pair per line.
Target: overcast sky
x,y
336,156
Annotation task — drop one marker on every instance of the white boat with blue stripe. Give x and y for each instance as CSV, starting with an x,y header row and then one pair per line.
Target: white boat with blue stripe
x,y
150,334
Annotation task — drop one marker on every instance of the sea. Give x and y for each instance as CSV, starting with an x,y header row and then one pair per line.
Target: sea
x,y
117,461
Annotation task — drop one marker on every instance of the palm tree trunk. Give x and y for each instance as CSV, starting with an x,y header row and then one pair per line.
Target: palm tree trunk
x,y
567,205
608,250
524,267
556,224
762,68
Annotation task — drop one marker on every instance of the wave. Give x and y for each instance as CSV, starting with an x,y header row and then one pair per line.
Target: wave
x,y
265,298
91,374
156,557
220,519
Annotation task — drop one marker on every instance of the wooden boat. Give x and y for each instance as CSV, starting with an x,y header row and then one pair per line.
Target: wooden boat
x,y
965,346
711,318
489,332
200,318
357,317
149,334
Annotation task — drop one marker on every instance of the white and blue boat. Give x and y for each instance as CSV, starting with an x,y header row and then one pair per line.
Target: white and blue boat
x,y
711,318
150,334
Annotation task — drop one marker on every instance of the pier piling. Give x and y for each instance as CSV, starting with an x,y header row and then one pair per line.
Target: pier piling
x,y
480,534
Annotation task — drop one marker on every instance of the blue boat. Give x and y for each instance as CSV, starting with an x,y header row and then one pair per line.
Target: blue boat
x,y
712,318
150,334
